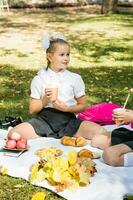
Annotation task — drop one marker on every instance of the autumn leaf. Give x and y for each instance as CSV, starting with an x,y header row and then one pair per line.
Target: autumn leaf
x,y
3,170
34,172
72,157
39,196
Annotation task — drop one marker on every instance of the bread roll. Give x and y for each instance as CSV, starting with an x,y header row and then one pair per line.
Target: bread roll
x,y
85,153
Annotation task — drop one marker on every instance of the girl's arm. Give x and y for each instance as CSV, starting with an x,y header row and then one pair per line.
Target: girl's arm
x,y
124,117
36,105
79,107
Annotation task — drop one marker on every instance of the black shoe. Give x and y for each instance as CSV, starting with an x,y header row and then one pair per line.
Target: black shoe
x,y
10,121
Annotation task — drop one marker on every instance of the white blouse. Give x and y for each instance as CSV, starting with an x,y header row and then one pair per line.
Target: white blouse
x,y
70,85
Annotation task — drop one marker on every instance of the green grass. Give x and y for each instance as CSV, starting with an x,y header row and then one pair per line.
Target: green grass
x,y
101,52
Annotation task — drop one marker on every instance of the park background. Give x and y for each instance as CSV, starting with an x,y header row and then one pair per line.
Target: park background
x,y
101,52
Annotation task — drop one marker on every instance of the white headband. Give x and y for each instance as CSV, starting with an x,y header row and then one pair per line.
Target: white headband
x,y
47,38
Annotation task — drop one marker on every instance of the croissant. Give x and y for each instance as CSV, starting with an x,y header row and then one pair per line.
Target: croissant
x,y
73,141
69,141
80,141
85,153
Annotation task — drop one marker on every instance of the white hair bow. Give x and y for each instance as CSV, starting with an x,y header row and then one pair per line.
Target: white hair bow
x,y
47,38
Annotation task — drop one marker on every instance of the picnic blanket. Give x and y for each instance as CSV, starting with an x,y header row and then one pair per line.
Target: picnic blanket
x,y
108,183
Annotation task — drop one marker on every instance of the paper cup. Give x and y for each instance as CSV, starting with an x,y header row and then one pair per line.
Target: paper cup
x,y
118,111
54,93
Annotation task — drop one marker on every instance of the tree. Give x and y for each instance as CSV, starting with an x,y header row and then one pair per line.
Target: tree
x,y
109,6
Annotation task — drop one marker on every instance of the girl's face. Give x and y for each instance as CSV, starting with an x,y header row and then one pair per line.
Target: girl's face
x,y
60,58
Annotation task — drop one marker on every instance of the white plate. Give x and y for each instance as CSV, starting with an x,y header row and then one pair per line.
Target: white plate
x,y
16,149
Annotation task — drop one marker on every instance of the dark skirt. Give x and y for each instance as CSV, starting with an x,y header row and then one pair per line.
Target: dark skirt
x,y
51,122
122,136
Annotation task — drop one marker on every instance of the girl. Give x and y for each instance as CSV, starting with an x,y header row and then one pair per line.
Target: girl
x,y
118,145
56,95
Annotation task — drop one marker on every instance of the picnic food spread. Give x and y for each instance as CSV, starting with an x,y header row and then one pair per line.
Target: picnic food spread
x,y
73,141
67,172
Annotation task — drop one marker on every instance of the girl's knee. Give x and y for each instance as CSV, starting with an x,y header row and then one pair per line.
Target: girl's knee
x,y
110,157
100,141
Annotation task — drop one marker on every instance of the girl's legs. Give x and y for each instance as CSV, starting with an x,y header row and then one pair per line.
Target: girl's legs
x,y
101,141
114,155
89,129
26,130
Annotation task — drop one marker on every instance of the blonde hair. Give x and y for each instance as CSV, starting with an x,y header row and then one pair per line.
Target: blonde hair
x,y
53,46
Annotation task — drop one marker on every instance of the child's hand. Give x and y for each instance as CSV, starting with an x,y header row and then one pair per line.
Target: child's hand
x,y
124,117
60,106
51,94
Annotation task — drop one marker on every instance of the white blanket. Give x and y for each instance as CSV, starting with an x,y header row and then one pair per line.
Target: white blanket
x,y
110,183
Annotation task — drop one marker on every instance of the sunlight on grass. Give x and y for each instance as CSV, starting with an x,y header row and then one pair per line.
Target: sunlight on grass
x,y
94,39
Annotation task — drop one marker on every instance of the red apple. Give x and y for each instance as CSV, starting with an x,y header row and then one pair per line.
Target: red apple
x,y
14,136
10,144
22,144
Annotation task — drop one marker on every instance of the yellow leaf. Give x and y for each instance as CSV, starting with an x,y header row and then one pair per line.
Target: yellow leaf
x,y
61,163
84,178
39,196
73,185
34,172
72,157
4,171
74,173
57,176
41,175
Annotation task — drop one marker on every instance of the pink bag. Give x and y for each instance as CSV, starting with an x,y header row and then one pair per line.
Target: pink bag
x,y
99,113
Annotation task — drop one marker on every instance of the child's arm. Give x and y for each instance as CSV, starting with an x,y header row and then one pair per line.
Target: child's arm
x,y
124,117
36,105
79,107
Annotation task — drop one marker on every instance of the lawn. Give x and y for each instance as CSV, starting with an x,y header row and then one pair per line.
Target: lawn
x,y
101,52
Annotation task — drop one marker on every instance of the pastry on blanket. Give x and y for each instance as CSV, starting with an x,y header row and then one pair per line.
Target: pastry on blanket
x,y
73,141
68,141
43,151
85,153
80,141
89,154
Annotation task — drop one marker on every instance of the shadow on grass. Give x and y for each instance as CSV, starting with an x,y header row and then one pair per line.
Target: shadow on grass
x,y
97,47
5,52
57,15
102,84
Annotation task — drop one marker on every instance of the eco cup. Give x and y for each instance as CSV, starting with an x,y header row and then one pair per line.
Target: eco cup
x,y
118,111
54,93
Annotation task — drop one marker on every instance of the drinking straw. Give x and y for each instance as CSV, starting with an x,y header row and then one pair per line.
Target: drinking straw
x,y
126,100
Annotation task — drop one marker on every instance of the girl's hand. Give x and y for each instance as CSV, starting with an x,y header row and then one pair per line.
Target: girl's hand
x,y
60,106
51,94
124,117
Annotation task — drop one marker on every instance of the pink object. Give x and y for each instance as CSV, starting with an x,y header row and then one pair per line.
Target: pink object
x,y
10,144
22,144
99,113
14,136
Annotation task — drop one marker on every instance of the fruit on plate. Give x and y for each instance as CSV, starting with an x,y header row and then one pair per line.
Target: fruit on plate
x,y
14,136
10,144
22,144
15,141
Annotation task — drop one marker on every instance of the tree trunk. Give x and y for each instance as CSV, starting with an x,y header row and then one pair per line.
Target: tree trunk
x,y
109,6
